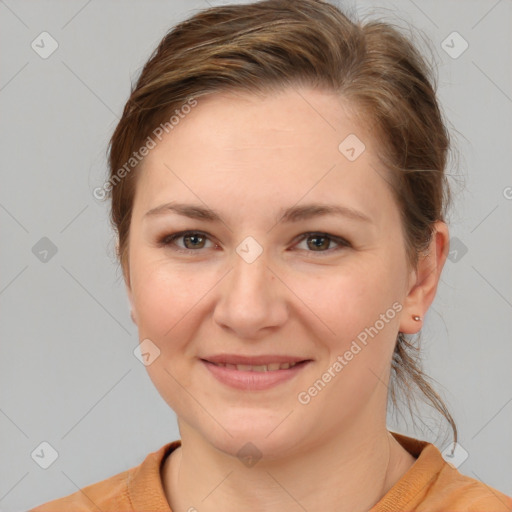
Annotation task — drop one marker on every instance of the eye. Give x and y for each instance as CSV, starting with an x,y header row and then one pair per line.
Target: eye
x,y
193,241
320,242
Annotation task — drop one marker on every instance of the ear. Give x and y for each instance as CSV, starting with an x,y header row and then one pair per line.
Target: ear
x,y
424,280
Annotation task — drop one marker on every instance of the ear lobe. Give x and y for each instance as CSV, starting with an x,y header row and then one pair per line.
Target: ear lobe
x,y
425,279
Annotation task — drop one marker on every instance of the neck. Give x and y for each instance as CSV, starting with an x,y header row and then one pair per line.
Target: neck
x,y
354,470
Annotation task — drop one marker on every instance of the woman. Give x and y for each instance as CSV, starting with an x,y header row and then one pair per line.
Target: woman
x,y
278,191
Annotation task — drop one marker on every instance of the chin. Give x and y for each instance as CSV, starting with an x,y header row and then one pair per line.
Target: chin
x,y
254,437
252,447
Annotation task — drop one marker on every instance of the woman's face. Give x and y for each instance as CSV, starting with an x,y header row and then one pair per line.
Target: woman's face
x,y
322,288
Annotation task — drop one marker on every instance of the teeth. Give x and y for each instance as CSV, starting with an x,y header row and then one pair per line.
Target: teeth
x,y
258,368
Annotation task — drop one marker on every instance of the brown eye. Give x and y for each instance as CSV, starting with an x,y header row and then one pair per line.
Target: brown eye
x,y
321,243
194,241
318,242
191,241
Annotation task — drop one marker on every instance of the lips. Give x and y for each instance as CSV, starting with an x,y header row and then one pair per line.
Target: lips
x,y
257,368
256,373
263,363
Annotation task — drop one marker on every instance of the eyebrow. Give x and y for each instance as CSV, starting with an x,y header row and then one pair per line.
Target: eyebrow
x,y
292,214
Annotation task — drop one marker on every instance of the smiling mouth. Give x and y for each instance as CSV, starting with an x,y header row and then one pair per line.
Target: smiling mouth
x,y
254,377
258,368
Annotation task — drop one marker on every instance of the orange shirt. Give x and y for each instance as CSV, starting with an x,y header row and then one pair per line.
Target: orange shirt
x,y
429,485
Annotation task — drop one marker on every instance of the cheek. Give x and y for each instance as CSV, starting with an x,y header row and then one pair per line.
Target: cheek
x,y
362,308
162,297
165,301
352,298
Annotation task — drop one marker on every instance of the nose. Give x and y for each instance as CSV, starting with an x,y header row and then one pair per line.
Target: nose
x,y
252,300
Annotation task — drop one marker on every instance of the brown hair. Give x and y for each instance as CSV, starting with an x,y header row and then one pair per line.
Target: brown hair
x,y
269,45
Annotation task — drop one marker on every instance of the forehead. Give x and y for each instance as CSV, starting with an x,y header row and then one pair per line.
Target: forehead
x,y
280,147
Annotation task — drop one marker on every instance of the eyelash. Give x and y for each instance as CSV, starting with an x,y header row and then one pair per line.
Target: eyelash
x,y
168,241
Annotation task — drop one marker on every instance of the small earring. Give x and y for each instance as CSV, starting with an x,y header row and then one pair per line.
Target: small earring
x,y
416,318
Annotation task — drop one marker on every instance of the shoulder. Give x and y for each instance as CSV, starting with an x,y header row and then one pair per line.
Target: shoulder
x,y
433,485
458,492
140,486
111,492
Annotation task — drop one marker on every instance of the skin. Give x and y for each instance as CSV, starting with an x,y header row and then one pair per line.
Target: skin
x,y
248,156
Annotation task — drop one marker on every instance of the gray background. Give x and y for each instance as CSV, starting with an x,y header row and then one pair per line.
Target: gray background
x,y
68,374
